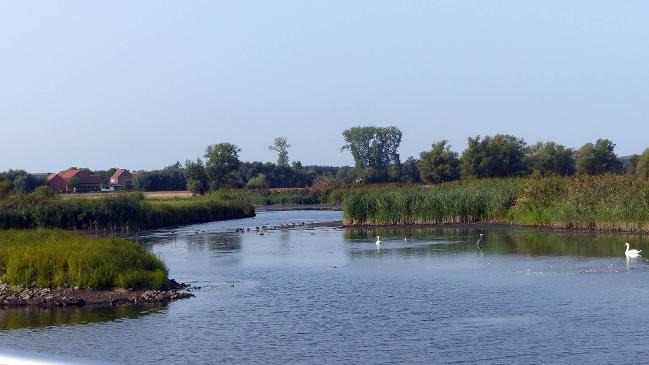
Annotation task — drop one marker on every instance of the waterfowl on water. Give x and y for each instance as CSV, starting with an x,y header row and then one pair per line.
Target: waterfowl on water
x,y
631,253
378,240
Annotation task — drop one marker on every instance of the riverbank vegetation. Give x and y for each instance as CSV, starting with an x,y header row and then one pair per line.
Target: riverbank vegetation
x,y
615,203
466,201
53,258
619,203
126,211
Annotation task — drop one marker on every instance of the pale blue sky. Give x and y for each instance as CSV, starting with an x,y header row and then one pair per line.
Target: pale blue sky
x,y
141,84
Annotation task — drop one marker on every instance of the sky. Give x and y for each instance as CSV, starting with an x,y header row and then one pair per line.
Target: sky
x,y
142,84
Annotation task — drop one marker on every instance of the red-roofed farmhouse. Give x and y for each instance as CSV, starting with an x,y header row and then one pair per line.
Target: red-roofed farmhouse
x,y
74,180
120,177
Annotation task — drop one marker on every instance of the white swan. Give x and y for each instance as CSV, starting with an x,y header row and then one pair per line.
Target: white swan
x,y
378,240
631,253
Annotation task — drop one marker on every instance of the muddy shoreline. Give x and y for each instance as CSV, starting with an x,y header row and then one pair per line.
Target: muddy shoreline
x,y
74,297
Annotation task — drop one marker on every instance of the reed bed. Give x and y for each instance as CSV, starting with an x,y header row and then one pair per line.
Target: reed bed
x,y
458,202
609,203
52,258
115,212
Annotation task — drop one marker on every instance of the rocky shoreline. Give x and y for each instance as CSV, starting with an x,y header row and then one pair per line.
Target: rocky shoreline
x,y
74,297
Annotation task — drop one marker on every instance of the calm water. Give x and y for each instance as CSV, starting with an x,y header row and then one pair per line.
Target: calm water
x,y
327,295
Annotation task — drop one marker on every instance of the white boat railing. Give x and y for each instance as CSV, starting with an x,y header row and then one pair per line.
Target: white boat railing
x,y
13,357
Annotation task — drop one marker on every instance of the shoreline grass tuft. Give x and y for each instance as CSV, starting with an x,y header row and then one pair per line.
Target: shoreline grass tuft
x,y
51,258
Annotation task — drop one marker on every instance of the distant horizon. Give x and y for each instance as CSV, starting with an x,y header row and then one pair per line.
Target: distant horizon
x,y
144,84
243,160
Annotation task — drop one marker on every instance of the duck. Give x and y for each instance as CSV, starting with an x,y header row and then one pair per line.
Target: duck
x,y
631,253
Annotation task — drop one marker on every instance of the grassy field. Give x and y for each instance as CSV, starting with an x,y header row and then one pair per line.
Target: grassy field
x,y
612,203
265,197
260,197
158,195
50,258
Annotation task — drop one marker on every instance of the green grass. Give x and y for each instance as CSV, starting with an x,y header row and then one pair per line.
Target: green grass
x,y
615,203
457,202
265,197
116,212
50,258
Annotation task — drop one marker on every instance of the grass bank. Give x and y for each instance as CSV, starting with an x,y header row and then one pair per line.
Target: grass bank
x,y
116,211
51,258
613,203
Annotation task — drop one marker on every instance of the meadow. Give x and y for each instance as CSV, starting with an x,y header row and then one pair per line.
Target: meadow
x,y
52,258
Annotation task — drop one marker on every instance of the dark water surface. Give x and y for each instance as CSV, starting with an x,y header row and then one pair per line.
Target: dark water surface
x,y
326,295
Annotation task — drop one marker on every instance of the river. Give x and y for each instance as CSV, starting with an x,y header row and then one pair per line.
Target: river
x,y
328,295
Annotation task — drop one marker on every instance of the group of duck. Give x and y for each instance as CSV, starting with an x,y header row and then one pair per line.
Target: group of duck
x,y
263,229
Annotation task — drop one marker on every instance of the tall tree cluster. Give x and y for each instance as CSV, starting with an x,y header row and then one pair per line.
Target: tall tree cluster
x,y
375,152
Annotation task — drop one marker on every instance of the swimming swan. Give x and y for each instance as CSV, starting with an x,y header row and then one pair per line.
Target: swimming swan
x,y
378,240
631,253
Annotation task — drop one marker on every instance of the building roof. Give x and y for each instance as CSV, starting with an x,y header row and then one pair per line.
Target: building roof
x,y
119,173
84,177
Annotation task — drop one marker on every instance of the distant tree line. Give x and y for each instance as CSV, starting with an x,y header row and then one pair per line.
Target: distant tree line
x,y
506,155
19,181
222,169
376,160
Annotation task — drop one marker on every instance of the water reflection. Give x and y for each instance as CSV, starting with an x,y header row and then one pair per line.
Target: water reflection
x,y
496,240
226,242
35,317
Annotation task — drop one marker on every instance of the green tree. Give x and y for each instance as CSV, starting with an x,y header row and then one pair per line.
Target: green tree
x,y
630,165
643,164
410,171
127,185
257,182
6,187
222,165
104,175
196,177
25,183
498,156
374,150
550,158
281,146
598,158
439,164
43,193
